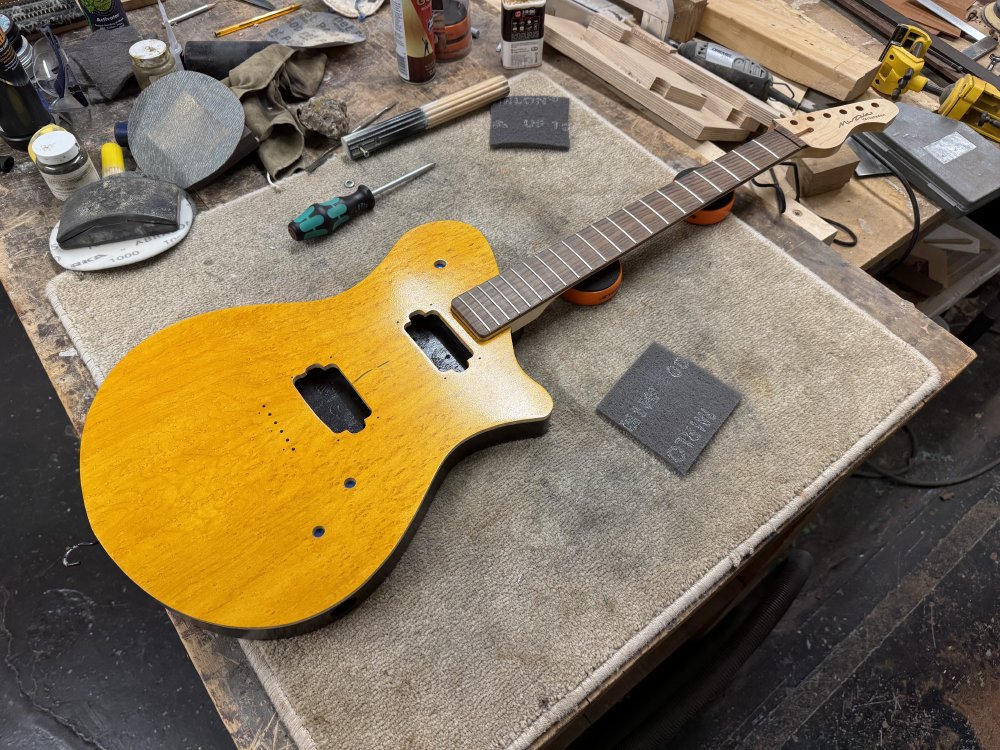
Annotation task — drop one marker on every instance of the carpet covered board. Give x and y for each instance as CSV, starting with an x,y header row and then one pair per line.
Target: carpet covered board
x,y
542,566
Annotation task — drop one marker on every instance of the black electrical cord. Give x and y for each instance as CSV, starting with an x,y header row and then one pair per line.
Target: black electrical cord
x,y
779,194
896,476
914,206
852,237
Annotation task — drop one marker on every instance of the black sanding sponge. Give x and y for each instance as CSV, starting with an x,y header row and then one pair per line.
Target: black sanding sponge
x,y
121,207
530,122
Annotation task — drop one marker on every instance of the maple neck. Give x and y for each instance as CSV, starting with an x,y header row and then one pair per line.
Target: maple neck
x,y
501,301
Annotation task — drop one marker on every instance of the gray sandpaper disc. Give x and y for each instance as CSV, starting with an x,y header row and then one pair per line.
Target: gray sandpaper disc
x,y
184,127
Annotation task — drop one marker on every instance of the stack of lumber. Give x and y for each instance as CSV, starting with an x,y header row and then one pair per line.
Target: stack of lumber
x,y
790,44
681,96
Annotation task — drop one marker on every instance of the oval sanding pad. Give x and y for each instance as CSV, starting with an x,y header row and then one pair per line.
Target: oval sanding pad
x,y
184,127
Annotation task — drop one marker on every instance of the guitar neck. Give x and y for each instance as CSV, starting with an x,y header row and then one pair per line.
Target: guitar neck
x,y
517,293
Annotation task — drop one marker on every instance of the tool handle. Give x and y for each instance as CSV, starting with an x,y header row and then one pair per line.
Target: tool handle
x,y
322,219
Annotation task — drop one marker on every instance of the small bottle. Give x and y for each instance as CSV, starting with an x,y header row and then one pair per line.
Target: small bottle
x,y
63,164
151,60
104,14
21,110
38,134
112,160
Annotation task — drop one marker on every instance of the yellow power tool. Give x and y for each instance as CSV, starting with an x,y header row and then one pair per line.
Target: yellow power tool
x,y
902,62
975,102
970,100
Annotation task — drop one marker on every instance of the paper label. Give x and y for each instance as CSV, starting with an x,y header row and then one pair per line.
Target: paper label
x,y
950,147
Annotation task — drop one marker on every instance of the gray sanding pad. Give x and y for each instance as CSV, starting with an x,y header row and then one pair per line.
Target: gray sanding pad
x,y
184,127
670,405
118,208
530,122
316,31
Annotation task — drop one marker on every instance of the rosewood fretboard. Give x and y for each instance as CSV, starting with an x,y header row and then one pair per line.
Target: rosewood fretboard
x,y
500,301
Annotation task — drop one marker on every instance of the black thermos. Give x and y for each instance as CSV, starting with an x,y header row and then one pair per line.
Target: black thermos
x,y
21,110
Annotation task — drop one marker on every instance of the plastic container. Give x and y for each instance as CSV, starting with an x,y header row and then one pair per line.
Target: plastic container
x,y
62,163
104,14
21,110
452,29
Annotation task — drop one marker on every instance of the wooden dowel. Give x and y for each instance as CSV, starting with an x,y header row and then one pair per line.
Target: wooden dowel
x,y
462,102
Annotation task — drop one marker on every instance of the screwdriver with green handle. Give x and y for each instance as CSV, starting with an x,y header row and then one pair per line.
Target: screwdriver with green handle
x,y
322,219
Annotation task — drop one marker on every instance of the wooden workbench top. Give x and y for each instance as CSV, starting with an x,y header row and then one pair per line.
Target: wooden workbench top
x,y
365,77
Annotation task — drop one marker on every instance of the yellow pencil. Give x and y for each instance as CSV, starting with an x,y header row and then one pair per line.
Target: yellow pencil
x,y
258,19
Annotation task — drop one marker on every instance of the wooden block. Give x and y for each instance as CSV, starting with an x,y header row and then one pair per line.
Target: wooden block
x,y
937,262
687,16
657,78
788,43
753,112
699,124
821,175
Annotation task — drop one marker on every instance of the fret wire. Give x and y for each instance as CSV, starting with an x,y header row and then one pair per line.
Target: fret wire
x,y
540,297
696,196
518,293
571,269
737,152
630,237
594,227
592,247
542,261
539,277
512,305
766,149
723,166
683,212
473,311
654,211
589,267
485,308
698,172
636,220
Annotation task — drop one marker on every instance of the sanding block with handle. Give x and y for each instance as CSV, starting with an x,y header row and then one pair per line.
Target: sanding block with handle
x,y
117,208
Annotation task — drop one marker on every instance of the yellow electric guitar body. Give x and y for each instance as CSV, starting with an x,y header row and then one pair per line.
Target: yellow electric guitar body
x,y
260,468
217,487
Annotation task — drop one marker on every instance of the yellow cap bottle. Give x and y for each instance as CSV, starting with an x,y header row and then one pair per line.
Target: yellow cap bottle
x,y
112,160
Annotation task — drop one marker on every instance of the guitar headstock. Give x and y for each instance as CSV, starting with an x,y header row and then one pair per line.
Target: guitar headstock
x,y
824,130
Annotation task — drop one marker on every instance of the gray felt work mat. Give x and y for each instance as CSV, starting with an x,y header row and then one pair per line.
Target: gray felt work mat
x,y
543,565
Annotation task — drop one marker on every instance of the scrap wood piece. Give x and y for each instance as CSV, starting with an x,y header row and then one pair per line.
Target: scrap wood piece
x,y
925,19
761,113
701,125
823,174
790,44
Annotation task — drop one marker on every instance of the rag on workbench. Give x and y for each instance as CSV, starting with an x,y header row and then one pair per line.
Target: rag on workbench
x,y
542,566
262,84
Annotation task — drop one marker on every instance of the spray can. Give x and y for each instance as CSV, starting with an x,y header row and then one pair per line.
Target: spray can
x,y
104,14
21,111
413,26
522,32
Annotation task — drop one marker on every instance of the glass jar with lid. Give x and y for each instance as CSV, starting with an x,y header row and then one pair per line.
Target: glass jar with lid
x,y
62,163
151,60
